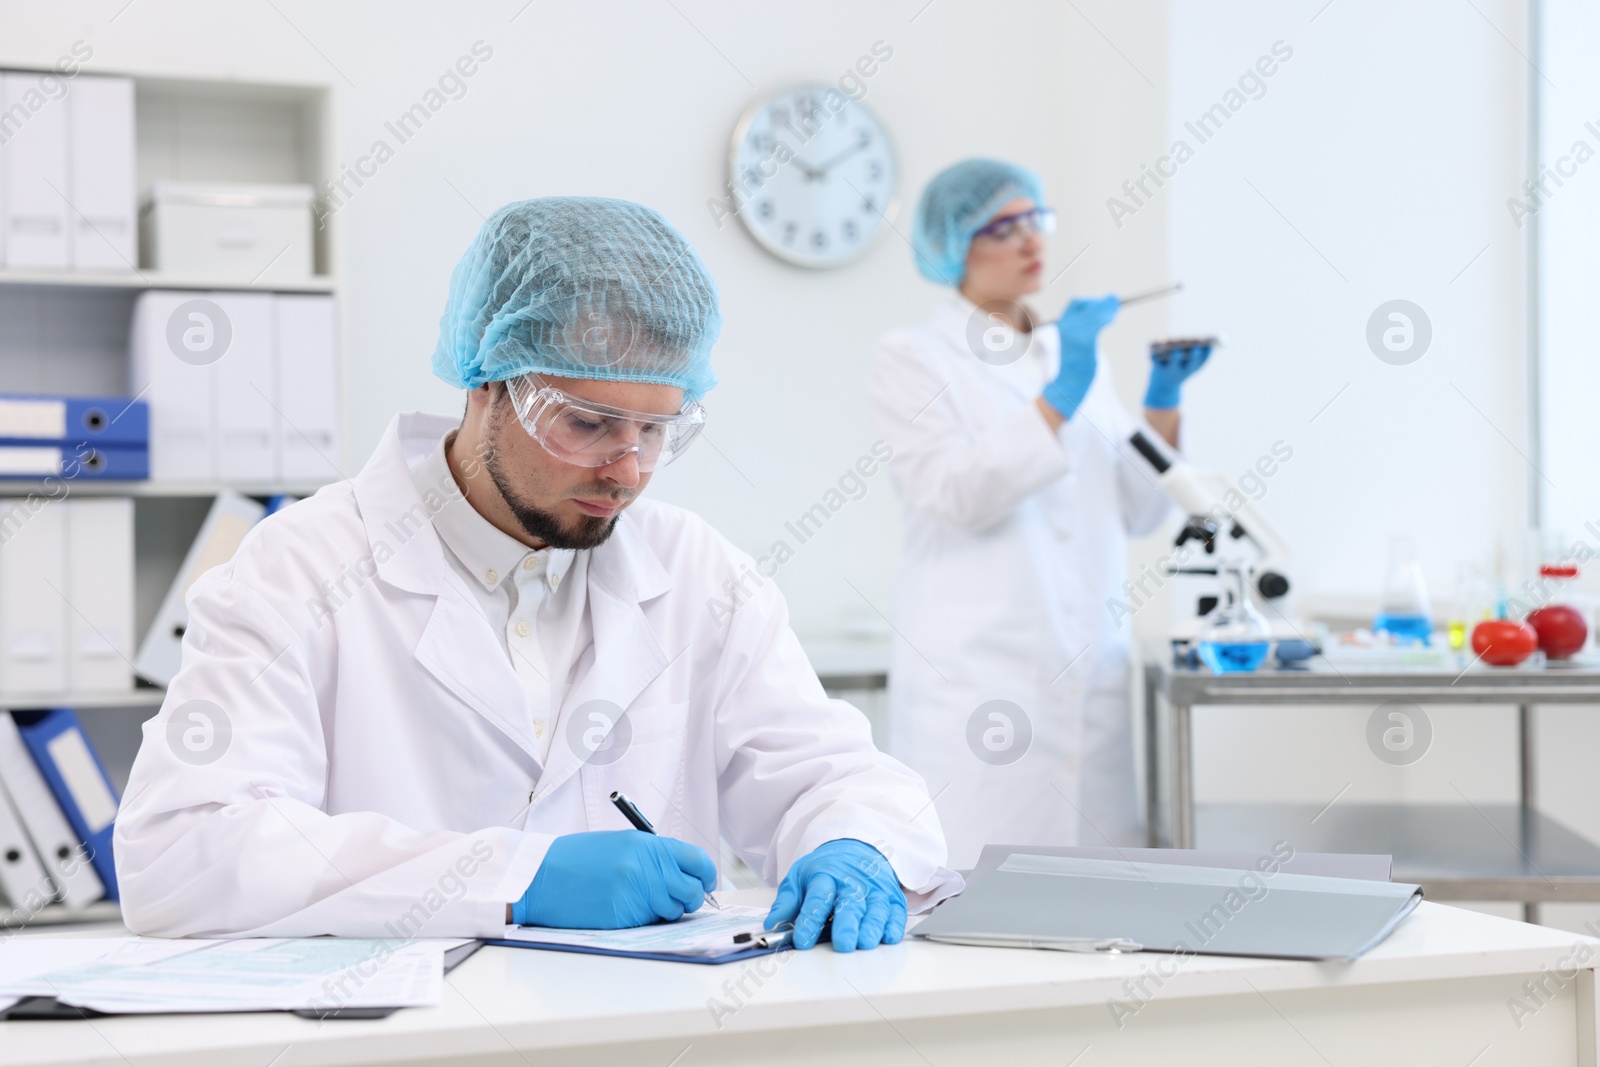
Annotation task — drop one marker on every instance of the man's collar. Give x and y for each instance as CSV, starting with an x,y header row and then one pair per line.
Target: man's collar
x,y
406,548
489,554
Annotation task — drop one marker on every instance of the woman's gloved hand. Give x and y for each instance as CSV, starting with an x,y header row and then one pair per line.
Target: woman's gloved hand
x,y
610,879
1079,328
850,881
1169,370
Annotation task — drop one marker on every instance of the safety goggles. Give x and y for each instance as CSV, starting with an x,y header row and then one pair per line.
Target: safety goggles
x,y
1024,224
587,434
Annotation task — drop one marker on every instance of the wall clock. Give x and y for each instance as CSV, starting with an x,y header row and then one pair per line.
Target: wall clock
x,y
813,175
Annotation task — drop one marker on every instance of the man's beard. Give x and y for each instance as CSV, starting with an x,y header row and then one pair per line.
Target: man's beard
x,y
587,531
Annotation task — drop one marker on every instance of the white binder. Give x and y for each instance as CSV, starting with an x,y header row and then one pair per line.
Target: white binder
x,y
308,387
100,594
58,848
22,877
179,391
100,154
245,391
34,166
33,606
231,517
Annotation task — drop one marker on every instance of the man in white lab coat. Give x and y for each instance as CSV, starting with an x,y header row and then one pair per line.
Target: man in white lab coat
x,y
405,704
1008,689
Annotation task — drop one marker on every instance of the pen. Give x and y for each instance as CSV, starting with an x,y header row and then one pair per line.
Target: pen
x,y
764,939
635,817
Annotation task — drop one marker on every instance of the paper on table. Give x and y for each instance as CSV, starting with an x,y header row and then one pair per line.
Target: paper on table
x,y
147,975
23,957
700,934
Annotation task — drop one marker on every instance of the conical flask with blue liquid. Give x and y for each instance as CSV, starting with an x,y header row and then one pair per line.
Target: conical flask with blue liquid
x,y
1404,613
1238,638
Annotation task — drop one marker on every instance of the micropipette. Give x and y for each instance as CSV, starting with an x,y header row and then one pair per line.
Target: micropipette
x,y
1151,294
1137,298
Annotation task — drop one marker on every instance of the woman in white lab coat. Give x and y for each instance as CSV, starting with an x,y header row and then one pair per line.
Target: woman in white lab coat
x,y
1008,687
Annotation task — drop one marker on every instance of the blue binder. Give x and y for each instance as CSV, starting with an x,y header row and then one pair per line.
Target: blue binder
x,y
57,743
33,460
66,420
93,460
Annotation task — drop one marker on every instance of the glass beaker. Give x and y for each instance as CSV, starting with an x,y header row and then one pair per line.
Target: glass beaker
x,y
1403,613
1238,638
1474,601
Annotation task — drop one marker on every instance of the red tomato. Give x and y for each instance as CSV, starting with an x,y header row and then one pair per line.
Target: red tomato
x,y
1561,630
1503,642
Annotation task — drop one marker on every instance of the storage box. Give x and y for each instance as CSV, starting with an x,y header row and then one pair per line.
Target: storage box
x,y
228,232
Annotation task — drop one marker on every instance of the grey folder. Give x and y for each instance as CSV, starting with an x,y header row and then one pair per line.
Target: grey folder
x,y
1333,864
1101,904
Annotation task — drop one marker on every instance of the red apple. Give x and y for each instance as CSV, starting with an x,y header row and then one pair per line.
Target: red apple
x,y
1561,630
1504,642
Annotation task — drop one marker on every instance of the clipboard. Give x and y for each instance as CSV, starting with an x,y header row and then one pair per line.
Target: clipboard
x,y
699,937
45,1008
732,957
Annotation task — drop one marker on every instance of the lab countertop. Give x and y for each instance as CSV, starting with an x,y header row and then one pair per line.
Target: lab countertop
x,y
505,998
1322,678
856,664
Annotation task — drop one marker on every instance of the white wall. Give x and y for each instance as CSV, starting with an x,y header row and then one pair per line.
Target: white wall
x,y
632,100
1375,167
1567,214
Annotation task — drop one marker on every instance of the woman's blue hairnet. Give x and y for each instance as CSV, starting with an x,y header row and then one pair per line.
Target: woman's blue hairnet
x,y
580,287
956,204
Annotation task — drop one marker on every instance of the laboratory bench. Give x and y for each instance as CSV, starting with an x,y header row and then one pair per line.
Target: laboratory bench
x,y
1521,855
1436,991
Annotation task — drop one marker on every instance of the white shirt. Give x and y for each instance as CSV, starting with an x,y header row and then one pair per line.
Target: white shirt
x,y
534,600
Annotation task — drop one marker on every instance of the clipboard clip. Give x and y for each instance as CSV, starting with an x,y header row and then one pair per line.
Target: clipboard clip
x,y
776,938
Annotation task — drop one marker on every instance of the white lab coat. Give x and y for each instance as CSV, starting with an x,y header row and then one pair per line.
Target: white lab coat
x,y
1015,538
379,779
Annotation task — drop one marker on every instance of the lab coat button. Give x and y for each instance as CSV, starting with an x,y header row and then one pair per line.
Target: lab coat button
x,y
491,576
523,629
531,563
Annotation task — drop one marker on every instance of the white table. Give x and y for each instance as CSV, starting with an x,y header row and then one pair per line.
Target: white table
x,y
1435,993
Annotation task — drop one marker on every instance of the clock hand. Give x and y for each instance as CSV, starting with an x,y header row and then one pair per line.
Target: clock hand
x,y
840,158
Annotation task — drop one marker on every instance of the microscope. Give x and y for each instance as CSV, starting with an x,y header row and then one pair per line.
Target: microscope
x,y
1224,529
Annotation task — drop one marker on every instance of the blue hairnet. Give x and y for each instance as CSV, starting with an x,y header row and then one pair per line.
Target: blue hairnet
x,y
956,204
579,287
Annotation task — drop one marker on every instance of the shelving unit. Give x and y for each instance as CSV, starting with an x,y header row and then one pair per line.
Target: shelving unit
x,y
103,911
143,279
142,697
107,487
67,332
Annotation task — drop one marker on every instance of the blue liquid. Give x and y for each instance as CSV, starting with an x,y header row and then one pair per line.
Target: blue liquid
x,y
1233,657
1407,629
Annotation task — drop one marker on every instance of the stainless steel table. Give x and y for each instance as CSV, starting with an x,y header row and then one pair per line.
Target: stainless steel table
x,y
1520,855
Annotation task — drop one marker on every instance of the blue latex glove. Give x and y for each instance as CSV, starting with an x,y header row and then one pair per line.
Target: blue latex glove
x,y
1079,326
1168,372
610,879
850,881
